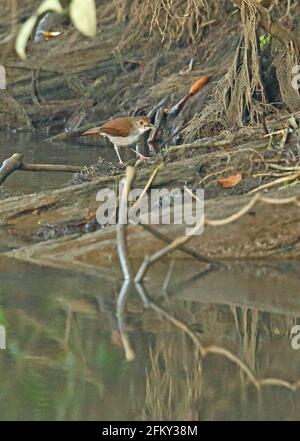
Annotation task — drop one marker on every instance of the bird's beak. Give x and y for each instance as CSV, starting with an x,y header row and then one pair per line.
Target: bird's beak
x,y
151,126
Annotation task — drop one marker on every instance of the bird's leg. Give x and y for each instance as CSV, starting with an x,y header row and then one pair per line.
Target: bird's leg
x,y
138,154
117,152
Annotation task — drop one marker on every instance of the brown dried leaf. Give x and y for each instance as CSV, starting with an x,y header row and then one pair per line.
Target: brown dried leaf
x,y
198,85
230,181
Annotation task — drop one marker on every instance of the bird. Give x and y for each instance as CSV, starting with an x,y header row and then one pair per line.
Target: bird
x,y
123,131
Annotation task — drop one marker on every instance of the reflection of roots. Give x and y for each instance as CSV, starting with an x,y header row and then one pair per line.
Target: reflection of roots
x,y
174,380
204,351
246,321
178,384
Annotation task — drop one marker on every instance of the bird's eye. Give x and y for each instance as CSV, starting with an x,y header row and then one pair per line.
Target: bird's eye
x,y
141,122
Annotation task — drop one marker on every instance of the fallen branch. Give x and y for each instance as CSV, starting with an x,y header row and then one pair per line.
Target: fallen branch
x,y
182,240
178,107
10,165
15,162
202,143
147,186
70,134
50,167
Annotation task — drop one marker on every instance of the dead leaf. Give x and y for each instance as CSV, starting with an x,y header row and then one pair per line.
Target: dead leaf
x,y
230,181
198,85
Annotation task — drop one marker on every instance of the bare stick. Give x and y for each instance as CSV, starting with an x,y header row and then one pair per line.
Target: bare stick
x,y
10,165
125,263
148,184
176,243
282,180
235,216
15,162
158,234
50,167
126,184
159,118
176,132
180,241
210,142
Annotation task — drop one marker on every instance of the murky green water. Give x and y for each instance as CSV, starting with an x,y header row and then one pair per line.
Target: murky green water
x,y
65,355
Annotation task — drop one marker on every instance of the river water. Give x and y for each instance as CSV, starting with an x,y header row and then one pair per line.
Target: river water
x,y
37,150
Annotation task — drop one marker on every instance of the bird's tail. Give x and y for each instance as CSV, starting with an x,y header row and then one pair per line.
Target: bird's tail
x,y
93,131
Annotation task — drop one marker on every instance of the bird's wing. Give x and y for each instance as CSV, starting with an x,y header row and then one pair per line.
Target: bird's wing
x,y
116,127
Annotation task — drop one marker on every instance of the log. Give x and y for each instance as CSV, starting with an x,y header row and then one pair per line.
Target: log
x,y
51,167
15,162
76,205
266,231
10,165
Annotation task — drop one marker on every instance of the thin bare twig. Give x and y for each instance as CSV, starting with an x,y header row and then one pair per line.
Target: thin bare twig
x,y
126,184
278,181
180,241
233,217
147,186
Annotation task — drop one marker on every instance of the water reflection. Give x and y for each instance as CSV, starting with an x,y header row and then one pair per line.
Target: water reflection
x,y
66,357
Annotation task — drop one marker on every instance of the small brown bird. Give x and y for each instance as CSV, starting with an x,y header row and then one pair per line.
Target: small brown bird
x,y
123,131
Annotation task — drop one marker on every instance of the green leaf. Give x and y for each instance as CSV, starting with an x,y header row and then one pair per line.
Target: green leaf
x,y
84,17
264,40
23,36
49,5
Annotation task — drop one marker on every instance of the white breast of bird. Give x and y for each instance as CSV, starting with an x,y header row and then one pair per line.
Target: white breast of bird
x,y
122,141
